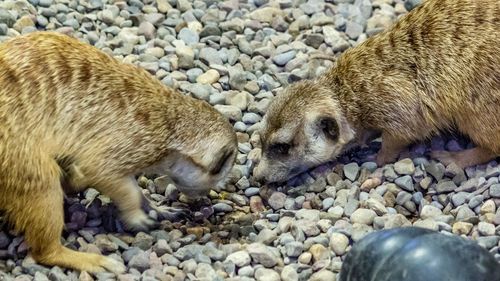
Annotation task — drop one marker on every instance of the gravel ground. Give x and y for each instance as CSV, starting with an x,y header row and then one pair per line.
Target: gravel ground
x,y
237,55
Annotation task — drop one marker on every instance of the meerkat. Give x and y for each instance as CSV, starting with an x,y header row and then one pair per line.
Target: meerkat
x,y
435,69
69,110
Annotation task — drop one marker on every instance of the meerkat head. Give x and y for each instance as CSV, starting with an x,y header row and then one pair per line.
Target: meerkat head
x,y
303,127
204,153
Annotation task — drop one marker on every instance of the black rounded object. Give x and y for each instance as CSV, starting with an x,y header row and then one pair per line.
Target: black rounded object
x,y
418,254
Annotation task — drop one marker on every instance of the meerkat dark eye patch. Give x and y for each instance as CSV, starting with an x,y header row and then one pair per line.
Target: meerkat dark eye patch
x,y
330,127
279,148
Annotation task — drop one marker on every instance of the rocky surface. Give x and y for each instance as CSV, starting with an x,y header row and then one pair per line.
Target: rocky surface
x,y
237,55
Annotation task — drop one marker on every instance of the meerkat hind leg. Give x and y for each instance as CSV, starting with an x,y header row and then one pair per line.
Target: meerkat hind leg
x,y
391,147
39,215
464,158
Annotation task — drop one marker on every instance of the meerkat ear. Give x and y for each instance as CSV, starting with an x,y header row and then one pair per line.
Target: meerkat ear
x,y
329,126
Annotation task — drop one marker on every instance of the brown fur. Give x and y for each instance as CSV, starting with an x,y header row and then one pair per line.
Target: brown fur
x,y
68,108
435,69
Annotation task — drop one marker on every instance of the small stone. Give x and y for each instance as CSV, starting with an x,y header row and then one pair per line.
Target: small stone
x,y
209,77
363,216
436,169
289,273
222,207
260,253
266,14
305,258
351,171
495,190
323,275
205,272
319,252
404,167
264,274
462,228
405,182
23,22
445,186
284,58
339,243
140,261
488,207
294,249
147,29
486,229
353,29
277,200
239,258
186,57
314,40
429,211
335,39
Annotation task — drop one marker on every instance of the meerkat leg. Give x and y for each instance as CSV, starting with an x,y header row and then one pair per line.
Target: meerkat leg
x,y
35,209
127,196
391,147
465,158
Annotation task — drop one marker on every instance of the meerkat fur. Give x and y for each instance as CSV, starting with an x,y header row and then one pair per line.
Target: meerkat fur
x,y
73,114
436,69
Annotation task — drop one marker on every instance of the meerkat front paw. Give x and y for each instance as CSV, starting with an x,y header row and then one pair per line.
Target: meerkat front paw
x,y
139,221
173,214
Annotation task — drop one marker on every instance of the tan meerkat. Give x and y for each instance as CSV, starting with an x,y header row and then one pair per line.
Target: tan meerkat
x,y
437,68
66,108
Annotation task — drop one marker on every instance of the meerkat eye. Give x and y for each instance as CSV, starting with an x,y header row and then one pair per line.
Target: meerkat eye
x,y
280,148
329,127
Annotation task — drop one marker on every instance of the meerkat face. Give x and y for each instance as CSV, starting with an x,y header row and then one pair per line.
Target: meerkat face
x,y
303,127
196,176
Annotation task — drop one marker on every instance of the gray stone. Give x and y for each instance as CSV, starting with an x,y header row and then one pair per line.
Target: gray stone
x,y
284,58
351,171
264,274
222,207
210,56
445,186
353,29
404,167
294,249
363,216
188,36
277,200
261,254
495,190
405,182
239,258
140,261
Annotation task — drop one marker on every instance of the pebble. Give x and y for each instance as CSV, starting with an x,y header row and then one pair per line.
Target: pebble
x,y
260,253
209,77
277,200
351,171
339,243
404,167
264,274
363,216
406,183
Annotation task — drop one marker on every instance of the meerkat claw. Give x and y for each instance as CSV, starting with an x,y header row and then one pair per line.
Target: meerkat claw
x,y
173,214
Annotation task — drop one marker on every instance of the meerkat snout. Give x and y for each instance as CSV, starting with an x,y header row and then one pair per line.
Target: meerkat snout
x,y
195,176
294,141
